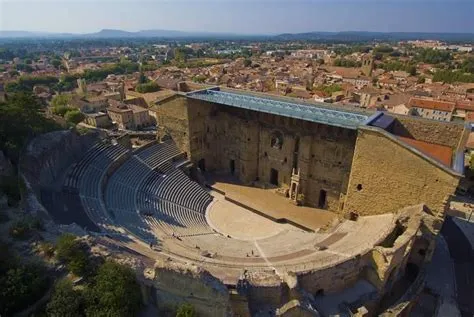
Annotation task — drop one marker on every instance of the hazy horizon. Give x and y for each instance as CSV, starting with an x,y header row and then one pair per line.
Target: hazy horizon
x,y
238,16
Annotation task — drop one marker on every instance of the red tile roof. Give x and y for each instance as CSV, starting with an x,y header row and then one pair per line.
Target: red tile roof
x,y
431,104
465,105
441,153
470,117
470,141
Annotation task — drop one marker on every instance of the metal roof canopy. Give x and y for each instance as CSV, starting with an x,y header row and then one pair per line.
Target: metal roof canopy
x,y
339,118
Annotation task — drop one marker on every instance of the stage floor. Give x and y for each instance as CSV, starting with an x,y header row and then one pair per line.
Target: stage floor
x,y
268,204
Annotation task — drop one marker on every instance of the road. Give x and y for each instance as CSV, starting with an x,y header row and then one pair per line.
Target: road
x,y
463,258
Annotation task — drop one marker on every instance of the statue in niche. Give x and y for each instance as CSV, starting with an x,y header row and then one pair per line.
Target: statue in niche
x,y
277,140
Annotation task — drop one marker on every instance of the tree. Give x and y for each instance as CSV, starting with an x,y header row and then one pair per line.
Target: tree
x,y
247,62
186,310
26,83
199,78
449,76
432,56
71,251
180,55
74,116
24,67
421,80
60,104
467,65
142,79
148,87
56,63
60,110
21,286
412,70
346,63
114,292
65,301
21,119
329,89
61,100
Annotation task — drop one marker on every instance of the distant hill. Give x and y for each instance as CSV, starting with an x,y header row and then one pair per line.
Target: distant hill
x,y
355,36
349,36
111,33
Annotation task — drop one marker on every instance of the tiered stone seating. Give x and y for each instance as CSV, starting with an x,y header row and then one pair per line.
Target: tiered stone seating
x,y
122,185
86,179
72,180
178,188
158,154
172,218
94,211
134,223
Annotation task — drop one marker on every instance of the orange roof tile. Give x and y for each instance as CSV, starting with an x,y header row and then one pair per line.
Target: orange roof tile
x,y
470,141
441,153
465,105
469,117
431,104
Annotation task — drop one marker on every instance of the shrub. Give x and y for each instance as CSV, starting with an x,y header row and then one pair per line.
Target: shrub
x,y
74,116
186,310
23,228
148,87
20,230
60,110
73,253
114,292
47,248
20,287
199,78
65,301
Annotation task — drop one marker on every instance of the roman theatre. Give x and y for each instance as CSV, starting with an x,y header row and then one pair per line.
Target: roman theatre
x,y
251,204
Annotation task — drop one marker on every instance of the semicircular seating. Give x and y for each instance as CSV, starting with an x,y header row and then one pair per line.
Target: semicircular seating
x,y
147,194
85,179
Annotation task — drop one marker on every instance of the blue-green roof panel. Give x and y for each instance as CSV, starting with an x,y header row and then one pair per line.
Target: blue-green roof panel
x,y
313,113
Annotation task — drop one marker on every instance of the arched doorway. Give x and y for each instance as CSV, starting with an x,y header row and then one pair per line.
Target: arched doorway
x,y
202,165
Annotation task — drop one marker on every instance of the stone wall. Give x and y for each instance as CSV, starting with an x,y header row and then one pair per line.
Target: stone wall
x,y
264,289
387,175
432,131
335,278
175,284
253,145
172,120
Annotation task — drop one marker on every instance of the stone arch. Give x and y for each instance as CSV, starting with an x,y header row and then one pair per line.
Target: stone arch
x,y
276,140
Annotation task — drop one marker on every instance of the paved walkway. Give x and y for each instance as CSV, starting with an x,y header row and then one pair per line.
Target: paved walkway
x,y
463,257
440,278
467,228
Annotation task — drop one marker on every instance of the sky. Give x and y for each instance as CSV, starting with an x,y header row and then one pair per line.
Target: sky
x,y
238,16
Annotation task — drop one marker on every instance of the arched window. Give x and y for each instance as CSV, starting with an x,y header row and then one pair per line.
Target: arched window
x,y
277,140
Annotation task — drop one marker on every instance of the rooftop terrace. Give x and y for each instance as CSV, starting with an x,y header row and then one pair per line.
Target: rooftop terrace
x,y
316,113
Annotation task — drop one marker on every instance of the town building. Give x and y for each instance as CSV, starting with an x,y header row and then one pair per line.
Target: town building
x,y
128,116
432,109
98,119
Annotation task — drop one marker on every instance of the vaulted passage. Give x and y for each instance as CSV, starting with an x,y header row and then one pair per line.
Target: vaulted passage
x,y
274,177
